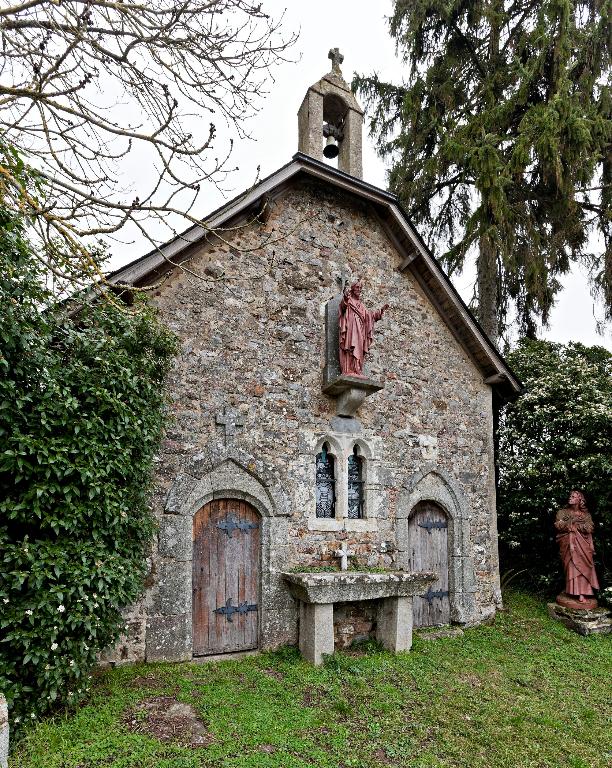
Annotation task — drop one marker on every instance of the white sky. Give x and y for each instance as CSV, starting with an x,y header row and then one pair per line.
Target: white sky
x,y
359,29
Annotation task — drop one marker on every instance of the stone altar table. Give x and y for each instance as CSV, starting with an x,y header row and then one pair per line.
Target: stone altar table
x,y
317,593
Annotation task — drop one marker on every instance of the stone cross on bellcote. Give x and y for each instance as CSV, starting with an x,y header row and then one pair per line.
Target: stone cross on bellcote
x,y
337,58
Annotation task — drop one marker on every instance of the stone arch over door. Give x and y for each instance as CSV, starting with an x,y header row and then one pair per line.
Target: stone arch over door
x,y
170,623
435,485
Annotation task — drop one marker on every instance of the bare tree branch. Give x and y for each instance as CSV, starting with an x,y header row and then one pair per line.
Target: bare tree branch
x,y
86,83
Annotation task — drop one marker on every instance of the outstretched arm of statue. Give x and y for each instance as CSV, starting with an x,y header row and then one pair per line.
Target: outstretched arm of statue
x,y
378,313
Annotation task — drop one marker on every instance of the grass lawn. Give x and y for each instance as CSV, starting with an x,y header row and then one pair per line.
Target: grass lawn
x,y
524,693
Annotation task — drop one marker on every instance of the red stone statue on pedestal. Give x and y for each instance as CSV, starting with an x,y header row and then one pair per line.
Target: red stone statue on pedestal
x,y
356,325
574,533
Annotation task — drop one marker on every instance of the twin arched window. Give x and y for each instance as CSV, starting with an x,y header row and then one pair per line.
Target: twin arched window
x,y
326,484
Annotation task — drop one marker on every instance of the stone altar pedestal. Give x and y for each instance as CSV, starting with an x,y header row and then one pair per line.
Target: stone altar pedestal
x,y
317,593
584,622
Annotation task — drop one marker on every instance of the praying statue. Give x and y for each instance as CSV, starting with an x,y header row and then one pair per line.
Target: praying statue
x,y
356,325
574,534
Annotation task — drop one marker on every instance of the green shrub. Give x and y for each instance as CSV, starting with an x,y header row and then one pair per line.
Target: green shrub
x,y
554,438
81,416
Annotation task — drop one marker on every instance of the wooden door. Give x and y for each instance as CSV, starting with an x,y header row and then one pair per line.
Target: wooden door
x,y
226,538
428,545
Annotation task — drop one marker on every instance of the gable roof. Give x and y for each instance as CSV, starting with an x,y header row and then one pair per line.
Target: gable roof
x,y
418,259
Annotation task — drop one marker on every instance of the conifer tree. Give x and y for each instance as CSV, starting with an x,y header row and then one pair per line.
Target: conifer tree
x,y
500,142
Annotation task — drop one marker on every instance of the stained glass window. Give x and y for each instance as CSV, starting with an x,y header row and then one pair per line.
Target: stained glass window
x,y
326,484
355,485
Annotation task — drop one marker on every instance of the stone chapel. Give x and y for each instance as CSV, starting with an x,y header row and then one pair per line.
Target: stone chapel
x,y
276,468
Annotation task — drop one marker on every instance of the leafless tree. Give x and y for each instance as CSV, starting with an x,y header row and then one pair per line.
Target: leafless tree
x,y
86,85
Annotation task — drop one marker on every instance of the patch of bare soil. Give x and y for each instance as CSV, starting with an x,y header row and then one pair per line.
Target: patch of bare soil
x,y
268,749
168,720
273,673
312,697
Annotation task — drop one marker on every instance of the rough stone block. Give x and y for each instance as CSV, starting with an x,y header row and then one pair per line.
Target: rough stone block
x,y
346,425
394,624
595,622
129,649
173,594
175,537
316,631
169,638
4,732
179,493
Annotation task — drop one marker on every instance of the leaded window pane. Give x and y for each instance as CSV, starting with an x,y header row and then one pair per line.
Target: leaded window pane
x,y
355,486
326,484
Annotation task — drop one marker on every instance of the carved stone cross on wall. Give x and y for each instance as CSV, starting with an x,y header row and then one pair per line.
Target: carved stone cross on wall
x,y
230,421
337,58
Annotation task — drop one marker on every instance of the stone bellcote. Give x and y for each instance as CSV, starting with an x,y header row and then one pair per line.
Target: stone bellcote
x,y
330,109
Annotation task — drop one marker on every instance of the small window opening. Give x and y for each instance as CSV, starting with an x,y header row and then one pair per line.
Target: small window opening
x,y
326,484
355,485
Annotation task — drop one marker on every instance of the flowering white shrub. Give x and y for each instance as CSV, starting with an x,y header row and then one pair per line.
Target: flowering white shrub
x,y
554,438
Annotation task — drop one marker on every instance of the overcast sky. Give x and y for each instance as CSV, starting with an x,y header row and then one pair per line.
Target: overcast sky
x,y
359,29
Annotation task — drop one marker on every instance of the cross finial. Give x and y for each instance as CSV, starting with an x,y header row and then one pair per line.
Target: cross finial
x,y
337,59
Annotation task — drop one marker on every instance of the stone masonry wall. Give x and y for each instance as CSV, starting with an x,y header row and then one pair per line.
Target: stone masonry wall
x,y
252,341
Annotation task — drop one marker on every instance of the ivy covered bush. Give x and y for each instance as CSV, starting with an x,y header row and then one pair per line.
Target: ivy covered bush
x,y
81,416
555,438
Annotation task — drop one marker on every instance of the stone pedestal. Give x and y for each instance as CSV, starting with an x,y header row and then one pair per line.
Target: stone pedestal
x,y
4,732
394,623
316,631
317,593
584,622
350,392
569,601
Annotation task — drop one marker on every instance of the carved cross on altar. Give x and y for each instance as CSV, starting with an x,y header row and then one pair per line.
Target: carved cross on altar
x,y
337,58
230,421
344,555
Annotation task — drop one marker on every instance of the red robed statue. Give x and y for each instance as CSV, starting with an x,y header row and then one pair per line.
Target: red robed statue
x,y
356,325
574,527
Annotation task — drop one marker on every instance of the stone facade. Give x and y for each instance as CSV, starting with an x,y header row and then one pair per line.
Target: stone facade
x,y
253,352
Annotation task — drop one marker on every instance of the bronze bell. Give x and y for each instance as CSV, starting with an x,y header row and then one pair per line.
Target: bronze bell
x,y
331,148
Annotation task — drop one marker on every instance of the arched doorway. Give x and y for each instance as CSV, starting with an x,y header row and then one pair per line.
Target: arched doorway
x,y
428,551
225,583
